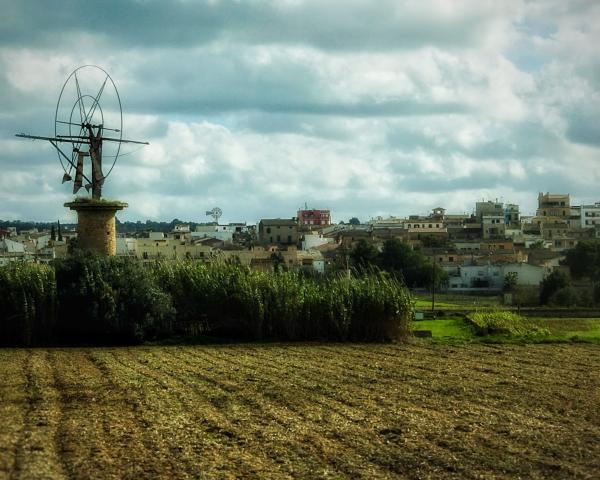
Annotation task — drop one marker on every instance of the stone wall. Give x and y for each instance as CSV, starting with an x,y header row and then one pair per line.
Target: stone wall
x,y
96,231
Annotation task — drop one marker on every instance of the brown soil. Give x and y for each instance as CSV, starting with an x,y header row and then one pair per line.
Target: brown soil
x,y
301,411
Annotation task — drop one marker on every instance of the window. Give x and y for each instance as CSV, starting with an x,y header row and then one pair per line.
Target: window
x,y
289,239
450,259
279,238
268,229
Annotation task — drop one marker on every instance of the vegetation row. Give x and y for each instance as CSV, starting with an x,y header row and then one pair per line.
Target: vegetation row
x,y
98,300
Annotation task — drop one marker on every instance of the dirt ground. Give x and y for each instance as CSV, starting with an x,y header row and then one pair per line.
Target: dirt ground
x,y
301,411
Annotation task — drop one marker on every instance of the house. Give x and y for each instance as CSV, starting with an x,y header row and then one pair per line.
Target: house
x,y
511,215
493,226
11,251
311,260
172,249
278,230
312,240
490,277
314,217
488,208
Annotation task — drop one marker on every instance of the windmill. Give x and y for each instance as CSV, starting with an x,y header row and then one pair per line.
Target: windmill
x,y
215,213
80,124
88,107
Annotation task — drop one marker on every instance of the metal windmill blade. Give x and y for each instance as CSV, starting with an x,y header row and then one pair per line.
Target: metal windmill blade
x,y
88,106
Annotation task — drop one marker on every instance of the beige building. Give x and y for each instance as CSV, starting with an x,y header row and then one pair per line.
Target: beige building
x,y
493,226
553,217
278,230
488,208
173,249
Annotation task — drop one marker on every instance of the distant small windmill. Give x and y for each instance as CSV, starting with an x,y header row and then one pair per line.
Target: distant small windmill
x,y
215,213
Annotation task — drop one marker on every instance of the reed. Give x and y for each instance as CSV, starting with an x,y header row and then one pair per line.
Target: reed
x,y
111,300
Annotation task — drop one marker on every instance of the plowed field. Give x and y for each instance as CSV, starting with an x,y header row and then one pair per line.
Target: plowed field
x,y
301,411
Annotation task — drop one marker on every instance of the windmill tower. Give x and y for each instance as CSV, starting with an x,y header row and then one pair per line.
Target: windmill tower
x,y
88,106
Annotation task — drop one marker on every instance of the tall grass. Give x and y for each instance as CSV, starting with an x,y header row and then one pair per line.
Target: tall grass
x,y
239,302
27,304
93,299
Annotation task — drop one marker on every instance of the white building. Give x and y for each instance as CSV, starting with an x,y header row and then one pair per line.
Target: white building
x,y
313,240
127,246
473,278
590,215
220,232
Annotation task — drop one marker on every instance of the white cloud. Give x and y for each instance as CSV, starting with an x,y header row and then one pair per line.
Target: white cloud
x,y
363,107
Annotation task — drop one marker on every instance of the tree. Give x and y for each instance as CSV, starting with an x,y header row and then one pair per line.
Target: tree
x,y
510,281
364,254
60,237
554,282
537,245
584,260
397,255
52,234
416,269
278,261
354,221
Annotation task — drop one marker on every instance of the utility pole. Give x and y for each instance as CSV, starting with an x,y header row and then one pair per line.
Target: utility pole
x,y
433,283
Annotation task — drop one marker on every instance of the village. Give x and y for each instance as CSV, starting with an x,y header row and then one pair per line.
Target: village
x,y
476,250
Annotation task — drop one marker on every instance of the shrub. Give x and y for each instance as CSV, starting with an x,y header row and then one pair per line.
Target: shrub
x,y
109,300
552,283
571,296
503,323
528,295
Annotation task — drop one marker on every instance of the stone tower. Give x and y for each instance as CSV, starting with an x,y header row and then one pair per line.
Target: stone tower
x,y
96,228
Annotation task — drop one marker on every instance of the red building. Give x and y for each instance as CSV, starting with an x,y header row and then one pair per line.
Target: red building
x,y
321,218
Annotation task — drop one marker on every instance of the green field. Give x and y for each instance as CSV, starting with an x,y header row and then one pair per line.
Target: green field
x,y
560,329
446,301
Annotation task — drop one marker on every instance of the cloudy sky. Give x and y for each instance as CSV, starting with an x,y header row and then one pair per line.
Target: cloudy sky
x,y
365,107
